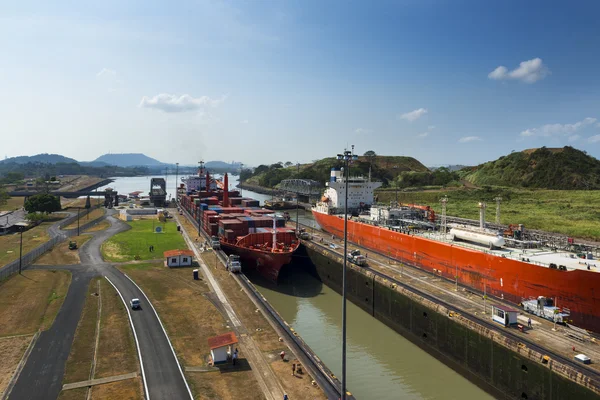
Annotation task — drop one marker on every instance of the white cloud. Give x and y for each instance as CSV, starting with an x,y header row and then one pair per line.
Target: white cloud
x,y
468,139
573,138
529,71
431,127
244,121
362,131
424,134
172,103
549,130
414,115
107,72
594,139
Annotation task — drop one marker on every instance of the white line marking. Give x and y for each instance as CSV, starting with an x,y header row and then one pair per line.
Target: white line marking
x,y
167,336
137,344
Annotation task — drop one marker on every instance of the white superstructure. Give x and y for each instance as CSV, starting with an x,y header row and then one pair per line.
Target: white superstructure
x,y
197,183
360,192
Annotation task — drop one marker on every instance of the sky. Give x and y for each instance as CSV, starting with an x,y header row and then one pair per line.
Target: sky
x,y
444,81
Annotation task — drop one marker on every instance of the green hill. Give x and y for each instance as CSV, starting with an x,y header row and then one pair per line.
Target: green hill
x,y
544,168
383,168
39,158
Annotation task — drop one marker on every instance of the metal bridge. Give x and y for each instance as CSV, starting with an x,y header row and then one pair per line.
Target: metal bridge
x,y
306,187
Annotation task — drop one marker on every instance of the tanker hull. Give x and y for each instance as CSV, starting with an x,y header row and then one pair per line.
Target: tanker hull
x,y
267,264
505,278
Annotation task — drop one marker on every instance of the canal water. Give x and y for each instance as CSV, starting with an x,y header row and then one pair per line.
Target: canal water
x,y
381,364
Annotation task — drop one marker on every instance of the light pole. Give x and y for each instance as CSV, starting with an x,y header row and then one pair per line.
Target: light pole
x,y
346,157
78,212
297,199
176,182
20,250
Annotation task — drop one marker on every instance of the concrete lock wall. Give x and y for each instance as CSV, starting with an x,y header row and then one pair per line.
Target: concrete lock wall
x,y
490,359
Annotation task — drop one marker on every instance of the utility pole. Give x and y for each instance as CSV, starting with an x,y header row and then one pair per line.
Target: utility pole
x,y
498,200
21,250
78,212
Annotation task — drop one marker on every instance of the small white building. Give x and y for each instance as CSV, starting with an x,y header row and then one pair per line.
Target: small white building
x,y
504,315
178,258
221,347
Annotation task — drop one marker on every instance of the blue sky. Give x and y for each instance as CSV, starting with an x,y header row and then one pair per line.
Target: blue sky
x,y
447,82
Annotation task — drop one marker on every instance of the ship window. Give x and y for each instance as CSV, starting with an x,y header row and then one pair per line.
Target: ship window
x,y
523,395
424,336
524,368
367,299
425,314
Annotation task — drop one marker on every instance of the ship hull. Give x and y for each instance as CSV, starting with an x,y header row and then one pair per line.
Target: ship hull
x,y
505,278
267,264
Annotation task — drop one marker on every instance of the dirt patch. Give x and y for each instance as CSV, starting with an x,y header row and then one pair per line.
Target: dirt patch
x,y
112,251
230,385
73,394
11,352
116,350
296,386
30,301
129,389
80,358
99,227
13,203
85,218
61,255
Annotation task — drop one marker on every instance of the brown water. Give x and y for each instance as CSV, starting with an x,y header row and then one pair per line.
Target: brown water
x,y
381,364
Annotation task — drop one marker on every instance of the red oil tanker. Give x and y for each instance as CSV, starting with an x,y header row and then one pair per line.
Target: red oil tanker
x,y
509,274
255,234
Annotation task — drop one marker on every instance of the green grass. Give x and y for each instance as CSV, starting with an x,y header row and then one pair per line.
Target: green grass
x,y
134,243
570,212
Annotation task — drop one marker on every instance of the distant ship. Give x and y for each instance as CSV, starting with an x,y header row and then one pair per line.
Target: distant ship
x,y
480,260
255,234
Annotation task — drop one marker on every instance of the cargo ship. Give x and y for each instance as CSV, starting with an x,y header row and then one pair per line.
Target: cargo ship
x,y
480,260
256,235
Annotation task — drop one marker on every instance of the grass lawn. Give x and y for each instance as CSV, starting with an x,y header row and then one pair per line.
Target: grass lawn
x,y
84,219
12,203
79,363
11,352
116,350
130,389
9,244
31,301
125,246
61,255
99,227
73,394
570,212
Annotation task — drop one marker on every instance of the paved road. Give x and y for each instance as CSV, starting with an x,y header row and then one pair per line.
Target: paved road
x,y
43,373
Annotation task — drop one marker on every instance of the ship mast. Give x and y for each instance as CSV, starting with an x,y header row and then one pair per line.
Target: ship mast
x,y
274,234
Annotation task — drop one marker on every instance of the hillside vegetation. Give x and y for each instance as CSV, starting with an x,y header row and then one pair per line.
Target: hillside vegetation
x,y
383,168
563,168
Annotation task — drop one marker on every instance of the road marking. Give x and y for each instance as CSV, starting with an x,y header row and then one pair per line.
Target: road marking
x,y
137,343
167,336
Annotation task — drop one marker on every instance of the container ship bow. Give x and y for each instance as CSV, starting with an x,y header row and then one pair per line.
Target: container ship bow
x,y
255,234
509,268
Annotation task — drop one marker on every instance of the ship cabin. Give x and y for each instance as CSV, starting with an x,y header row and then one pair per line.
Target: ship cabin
x,y
504,315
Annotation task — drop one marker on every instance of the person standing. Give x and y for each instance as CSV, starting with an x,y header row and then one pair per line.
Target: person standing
x,y
294,369
234,357
529,323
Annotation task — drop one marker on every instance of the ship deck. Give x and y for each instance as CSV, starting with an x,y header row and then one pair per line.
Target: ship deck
x,y
541,257
560,341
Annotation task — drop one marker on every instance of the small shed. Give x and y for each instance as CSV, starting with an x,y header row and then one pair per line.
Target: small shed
x,y
504,315
220,347
178,258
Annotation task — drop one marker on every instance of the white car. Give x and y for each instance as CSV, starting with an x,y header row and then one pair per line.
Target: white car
x,y
134,303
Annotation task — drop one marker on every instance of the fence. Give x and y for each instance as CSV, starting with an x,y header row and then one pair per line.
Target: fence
x,y
28,258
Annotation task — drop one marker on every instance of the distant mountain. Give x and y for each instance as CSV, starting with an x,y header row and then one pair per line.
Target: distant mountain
x,y
221,165
128,160
39,158
549,168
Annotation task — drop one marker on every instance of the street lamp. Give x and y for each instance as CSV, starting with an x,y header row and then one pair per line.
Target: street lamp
x,y
346,157
20,250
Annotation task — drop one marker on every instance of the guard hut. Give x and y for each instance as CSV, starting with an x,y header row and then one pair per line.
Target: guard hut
x,y
504,315
221,347
178,258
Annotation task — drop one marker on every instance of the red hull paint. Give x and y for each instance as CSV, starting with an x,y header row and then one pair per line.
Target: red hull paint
x,y
266,263
503,277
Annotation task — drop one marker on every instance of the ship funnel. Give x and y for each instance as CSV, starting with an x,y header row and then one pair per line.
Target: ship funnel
x,y
225,191
481,206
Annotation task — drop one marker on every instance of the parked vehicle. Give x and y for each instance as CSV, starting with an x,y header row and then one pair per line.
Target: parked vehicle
x,y
214,241
72,245
134,303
